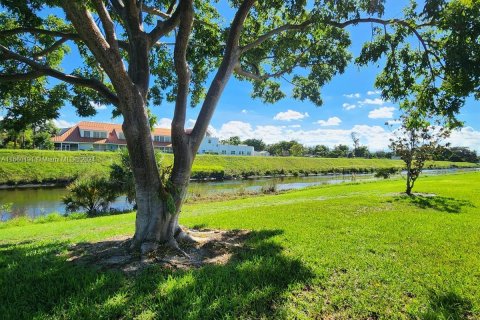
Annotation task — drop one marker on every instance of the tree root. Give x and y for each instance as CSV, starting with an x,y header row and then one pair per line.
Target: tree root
x,y
173,244
148,247
185,237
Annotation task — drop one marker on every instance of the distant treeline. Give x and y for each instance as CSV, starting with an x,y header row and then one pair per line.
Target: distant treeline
x,y
296,149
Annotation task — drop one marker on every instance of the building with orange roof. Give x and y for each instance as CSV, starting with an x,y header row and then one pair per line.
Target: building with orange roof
x,y
99,136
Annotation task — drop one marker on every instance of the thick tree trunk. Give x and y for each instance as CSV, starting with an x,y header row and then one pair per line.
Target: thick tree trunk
x,y
156,219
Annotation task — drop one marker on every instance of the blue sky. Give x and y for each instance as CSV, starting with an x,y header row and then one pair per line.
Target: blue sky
x,y
351,104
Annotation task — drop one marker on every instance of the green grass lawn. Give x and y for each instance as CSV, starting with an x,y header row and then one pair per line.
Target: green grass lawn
x,y
40,166
353,251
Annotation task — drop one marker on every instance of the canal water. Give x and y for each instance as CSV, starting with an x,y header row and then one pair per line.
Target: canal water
x,y
35,202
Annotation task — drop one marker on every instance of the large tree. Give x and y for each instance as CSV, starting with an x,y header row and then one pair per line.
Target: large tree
x,y
431,53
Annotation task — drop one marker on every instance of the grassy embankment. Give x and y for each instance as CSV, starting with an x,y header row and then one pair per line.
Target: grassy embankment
x,y
356,251
22,166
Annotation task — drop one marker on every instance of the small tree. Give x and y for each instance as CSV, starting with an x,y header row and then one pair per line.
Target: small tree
x,y
257,144
234,141
356,143
416,142
94,194
322,151
296,149
340,151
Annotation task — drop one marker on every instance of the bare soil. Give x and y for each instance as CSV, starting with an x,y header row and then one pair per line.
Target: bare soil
x,y
211,247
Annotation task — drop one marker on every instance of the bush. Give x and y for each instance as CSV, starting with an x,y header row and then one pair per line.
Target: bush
x,y
270,187
93,194
385,173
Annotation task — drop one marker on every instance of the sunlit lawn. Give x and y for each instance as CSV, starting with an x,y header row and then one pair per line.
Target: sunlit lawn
x,y
357,251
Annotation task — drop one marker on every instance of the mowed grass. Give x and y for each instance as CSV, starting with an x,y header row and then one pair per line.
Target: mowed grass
x,y
353,251
42,166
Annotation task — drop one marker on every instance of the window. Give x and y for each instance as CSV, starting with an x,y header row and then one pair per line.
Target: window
x,y
233,152
249,153
224,151
209,141
99,134
121,135
86,134
162,139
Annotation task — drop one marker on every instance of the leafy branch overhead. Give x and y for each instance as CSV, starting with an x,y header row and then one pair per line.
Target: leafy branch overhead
x,y
430,56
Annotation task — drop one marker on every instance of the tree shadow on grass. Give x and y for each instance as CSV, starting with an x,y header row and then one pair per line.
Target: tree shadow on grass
x,y
448,305
438,203
36,280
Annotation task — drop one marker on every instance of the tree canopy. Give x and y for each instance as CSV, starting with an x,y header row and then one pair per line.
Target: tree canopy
x,y
431,54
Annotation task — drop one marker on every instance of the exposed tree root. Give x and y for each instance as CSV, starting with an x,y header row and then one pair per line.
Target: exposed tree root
x,y
173,244
183,236
207,247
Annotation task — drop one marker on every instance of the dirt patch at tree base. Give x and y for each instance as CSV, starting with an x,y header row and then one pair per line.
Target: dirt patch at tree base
x,y
211,247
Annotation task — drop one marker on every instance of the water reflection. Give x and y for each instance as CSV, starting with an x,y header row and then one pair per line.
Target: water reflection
x,y
34,202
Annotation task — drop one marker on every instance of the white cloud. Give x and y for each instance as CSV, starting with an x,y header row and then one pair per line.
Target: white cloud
x,y
372,93
375,102
374,137
290,115
190,123
98,106
235,128
352,95
393,122
465,137
382,113
244,111
164,123
348,106
63,123
333,121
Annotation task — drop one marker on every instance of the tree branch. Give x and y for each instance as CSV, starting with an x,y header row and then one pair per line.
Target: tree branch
x,y
46,70
183,155
62,34
302,26
258,77
155,12
274,32
182,69
229,61
166,15
244,73
67,35
52,48
109,59
107,23
20,76
164,27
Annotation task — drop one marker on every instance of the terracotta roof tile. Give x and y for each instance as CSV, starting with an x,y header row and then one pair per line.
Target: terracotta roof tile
x,y
73,134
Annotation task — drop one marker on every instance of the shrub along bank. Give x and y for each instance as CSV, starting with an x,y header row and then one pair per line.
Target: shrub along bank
x,y
41,166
